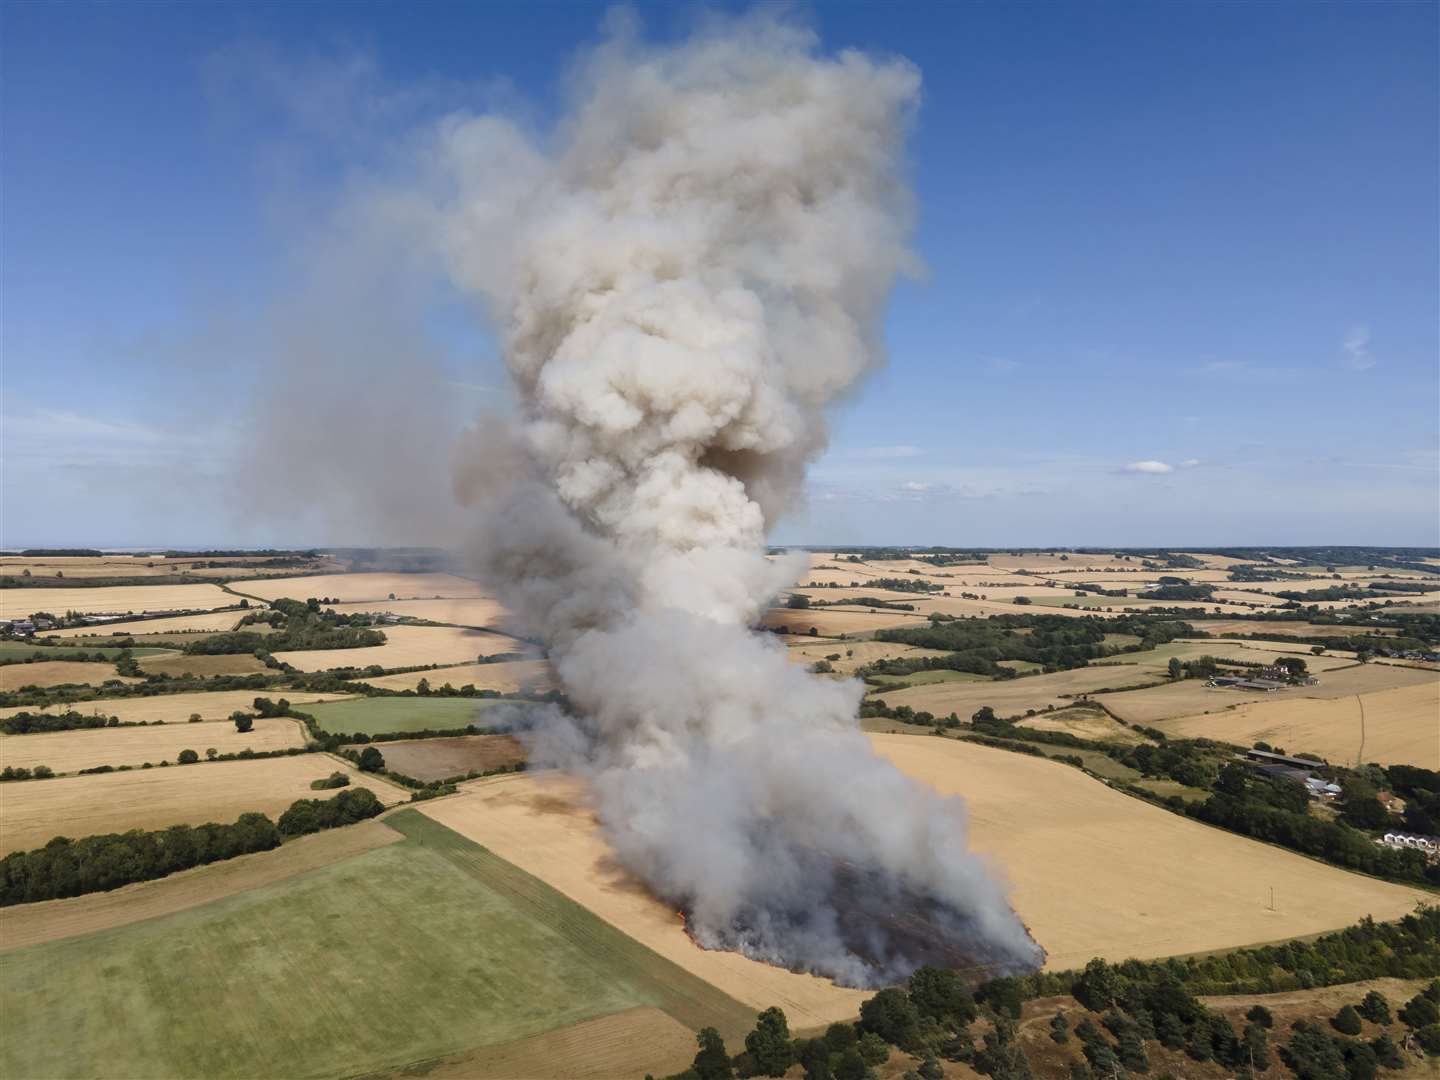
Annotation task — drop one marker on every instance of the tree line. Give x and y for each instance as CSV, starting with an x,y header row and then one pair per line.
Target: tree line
x,y
66,867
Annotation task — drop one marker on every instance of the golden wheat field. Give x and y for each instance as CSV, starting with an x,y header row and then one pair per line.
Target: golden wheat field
x,y
834,622
851,654
210,622
1154,883
537,822
70,751
34,811
482,611
114,599
1192,696
58,673
408,646
177,708
368,587
505,677
203,667
1013,696
1387,727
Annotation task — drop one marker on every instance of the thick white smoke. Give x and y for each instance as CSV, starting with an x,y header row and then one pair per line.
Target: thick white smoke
x,y
686,277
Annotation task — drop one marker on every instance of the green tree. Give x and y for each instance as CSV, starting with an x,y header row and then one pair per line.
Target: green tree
x,y
851,1066
1059,1030
769,1044
712,1062
1387,1053
1420,1012
892,1017
1347,1021
940,994
1259,1014
1099,986
1174,667
186,757
1257,1048
371,760
243,721
1375,1008
798,601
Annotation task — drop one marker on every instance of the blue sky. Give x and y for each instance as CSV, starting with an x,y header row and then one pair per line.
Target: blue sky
x,y
1182,266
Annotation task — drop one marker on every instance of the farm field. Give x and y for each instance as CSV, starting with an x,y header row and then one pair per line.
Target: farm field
x,y
408,646
16,650
480,611
1084,723
35,811
1278,627
432,760
406,953
210,621
1156,884
177,664
178,708
376,715
1013,696
537,822
1193,696
505,677
45,673
70,751
54,920
1400,726
115,599
852,654
350,588
834,622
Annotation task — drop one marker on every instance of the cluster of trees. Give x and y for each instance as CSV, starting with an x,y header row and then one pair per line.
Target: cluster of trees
x,y
28,723
313,815
905,584
1278,811
334,780
1055,642
20,772
1180,591
66,867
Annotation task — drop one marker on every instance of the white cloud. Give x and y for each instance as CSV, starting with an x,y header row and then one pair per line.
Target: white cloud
x,y
1153,468
917,486
883,453
1190,463
1357,348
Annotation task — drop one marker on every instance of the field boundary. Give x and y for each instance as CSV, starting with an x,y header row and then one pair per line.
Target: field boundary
x,y
688,998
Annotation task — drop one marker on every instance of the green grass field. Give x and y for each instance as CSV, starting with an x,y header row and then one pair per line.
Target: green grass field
x,y
428,947
15,650
384,714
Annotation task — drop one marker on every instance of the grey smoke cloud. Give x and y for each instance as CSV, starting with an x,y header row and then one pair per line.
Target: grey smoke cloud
x,y
686,275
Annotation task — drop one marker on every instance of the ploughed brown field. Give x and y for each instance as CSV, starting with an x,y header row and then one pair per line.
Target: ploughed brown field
x,y
439,759
34,811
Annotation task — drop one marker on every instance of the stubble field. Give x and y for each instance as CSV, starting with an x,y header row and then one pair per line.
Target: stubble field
x,y
178,708
220,791
505,677
70,751
408,646
118,599
46,673
213,621
1148,883
1399,726
352,588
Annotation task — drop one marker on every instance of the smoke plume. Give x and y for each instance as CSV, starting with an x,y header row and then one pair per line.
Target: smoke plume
x,y
686,274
